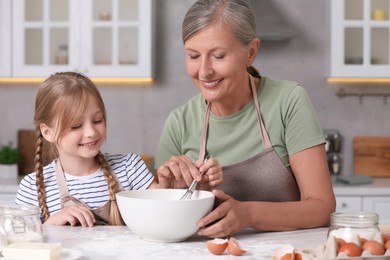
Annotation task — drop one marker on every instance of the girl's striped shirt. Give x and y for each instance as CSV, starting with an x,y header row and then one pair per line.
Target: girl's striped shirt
x,y
92,190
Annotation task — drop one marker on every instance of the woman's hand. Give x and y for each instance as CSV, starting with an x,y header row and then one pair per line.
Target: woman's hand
x,y
73,215
180,171
228,218
212,174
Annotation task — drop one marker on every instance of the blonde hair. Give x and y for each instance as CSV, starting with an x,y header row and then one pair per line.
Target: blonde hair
x,y
59,102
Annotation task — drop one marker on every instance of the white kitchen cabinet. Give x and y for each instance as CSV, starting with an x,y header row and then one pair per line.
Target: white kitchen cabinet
x,y
377,204
380,205
373,197
101,38
5,38
360,38
348,203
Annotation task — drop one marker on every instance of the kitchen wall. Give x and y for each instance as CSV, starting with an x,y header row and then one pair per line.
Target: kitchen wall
x,y
136,115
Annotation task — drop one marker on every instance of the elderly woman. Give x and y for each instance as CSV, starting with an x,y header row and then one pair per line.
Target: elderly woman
x,y
263,132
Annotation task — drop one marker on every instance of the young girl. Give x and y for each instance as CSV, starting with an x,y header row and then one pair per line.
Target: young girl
x,y
79,187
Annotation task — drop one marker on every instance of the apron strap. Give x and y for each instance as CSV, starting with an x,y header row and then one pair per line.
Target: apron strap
x,y
62,185
264,134
202,149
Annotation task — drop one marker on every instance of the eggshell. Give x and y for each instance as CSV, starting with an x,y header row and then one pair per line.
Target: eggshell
x,y
350,249
217,246
286,252
235,248
374,247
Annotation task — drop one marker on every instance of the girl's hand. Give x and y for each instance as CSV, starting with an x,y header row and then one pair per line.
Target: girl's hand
x,y
73,215
228,218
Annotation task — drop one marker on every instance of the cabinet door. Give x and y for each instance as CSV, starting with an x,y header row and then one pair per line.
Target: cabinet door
x,y
101,38
117,38
42,30
380,205
5,36
360,38
348,203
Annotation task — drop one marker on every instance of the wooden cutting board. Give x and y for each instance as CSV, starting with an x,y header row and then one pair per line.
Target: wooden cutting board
x,y
372,155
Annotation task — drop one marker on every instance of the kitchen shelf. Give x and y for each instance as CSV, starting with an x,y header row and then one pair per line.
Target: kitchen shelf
x,y
104,81
366,81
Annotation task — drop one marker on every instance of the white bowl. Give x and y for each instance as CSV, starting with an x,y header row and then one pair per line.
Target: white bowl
x,y
159,215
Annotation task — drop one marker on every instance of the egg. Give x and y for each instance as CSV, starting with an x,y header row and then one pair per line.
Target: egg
x,y
217,246
350,249
339,242
387,244
374,247
362,240
385,237
235,248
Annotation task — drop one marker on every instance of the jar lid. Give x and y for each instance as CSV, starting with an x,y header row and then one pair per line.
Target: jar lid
x,y
354,219
12,210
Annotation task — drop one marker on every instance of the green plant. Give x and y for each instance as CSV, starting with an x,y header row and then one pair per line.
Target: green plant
x,y
9,154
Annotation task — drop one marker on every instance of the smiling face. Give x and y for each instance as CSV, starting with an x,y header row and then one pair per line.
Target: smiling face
x,y
216,61
84,137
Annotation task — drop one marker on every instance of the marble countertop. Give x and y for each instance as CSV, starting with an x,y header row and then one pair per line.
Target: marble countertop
x,y
379,187
119,242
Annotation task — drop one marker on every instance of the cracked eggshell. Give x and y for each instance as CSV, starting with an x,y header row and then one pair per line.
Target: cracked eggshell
x,y
235,247
217,246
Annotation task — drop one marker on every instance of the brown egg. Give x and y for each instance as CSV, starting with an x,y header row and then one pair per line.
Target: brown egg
x,y
339,242
362,240
385,238
235,248
351,249
217,246
387,244
374,247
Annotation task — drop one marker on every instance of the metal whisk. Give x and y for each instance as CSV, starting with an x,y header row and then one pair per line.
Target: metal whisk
x,y
192,187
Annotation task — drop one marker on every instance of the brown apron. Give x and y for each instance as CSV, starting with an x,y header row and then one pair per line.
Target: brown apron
x,y
102,214
263,177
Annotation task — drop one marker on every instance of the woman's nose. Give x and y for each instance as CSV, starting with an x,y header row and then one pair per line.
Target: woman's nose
x,y
205,68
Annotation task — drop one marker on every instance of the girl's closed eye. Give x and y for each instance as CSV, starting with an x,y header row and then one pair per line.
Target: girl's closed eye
x,y
74,127
98,121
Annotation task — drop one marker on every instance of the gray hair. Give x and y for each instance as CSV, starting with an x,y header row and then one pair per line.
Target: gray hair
x,y
235,15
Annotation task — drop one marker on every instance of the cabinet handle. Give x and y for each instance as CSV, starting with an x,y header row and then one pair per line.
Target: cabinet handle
x,y
344,205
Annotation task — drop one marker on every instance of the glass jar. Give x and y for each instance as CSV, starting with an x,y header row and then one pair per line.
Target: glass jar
x,y
354,225
21,223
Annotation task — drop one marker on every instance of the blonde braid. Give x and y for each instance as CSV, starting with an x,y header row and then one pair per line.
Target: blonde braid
x,y
39,177
115,217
